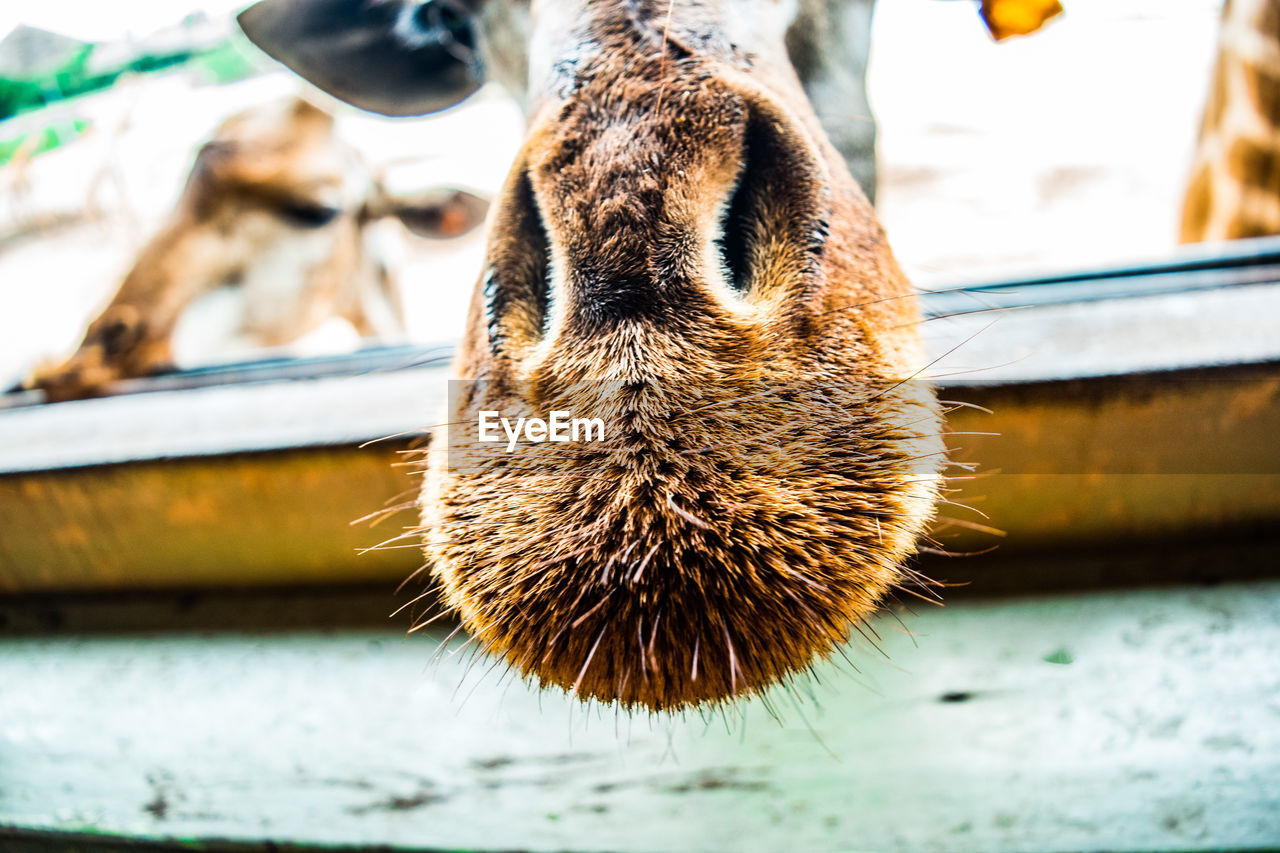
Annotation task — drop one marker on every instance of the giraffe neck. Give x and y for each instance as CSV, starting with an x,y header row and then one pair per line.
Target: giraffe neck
x,y
1235,180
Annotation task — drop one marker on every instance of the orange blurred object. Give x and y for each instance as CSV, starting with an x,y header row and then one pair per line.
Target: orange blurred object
x,y
1007,18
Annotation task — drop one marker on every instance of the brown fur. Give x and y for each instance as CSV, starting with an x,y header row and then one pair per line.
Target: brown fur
x,y
1234,190
772,460
680,251
277,205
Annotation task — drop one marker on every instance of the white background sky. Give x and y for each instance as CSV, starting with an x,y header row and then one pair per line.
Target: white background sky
x,y
96,20
100,20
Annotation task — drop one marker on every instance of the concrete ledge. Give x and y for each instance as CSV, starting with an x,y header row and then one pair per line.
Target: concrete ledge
x,y
1141,720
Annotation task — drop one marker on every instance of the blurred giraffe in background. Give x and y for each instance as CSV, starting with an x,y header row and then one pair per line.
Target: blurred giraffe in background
x,y
1234,190
276,208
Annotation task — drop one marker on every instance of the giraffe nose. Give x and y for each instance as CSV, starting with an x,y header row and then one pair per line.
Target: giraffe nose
x,y
582,248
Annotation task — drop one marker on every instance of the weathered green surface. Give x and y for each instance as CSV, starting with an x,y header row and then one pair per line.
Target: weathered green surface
x,y
1145,720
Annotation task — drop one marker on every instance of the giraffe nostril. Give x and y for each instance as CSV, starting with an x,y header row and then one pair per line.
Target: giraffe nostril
x,y
736,223
774,217
517,285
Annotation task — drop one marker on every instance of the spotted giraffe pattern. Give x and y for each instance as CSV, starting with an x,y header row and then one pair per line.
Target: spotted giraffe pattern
x,y
1235,178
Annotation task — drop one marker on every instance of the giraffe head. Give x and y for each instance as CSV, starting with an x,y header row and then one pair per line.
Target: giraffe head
x,y
679,252
277,207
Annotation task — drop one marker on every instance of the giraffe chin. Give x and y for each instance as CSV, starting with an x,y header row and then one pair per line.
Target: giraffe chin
x,y
713,542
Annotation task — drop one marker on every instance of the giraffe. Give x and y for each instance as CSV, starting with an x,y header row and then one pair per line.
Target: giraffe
x,y
681,250
1234,189
276,208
